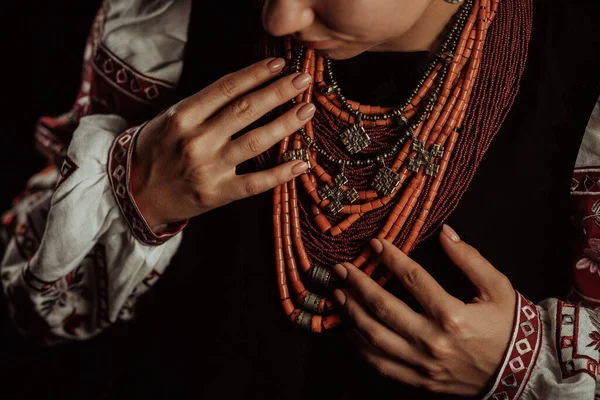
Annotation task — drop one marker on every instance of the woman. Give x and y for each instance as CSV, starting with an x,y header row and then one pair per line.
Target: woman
x,y
125,189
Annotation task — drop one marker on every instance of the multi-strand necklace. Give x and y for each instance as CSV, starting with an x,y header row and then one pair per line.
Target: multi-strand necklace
x,y
379,171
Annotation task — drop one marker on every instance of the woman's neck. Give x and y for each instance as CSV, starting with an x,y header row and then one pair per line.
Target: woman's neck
x,y
426,34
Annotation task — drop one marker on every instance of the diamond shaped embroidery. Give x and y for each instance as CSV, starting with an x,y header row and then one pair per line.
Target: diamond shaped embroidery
x,y
386,181
355,139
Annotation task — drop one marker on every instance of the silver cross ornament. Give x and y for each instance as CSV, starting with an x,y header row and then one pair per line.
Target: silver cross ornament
x,y
424,157
355,139
386,181
299,154
337,194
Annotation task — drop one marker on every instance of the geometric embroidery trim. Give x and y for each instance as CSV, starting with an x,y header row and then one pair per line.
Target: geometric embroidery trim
x,y
128,81
571,353
119,163
521,354
586,181
67,169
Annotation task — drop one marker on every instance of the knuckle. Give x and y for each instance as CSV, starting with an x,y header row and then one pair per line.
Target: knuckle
x,y
288,124
228,86
373,337
242,110
504,283
281,94
257,75
253,144
201,197
252,187
411,277
380,308
452,322
178,120
471,254
382,369
439,347
433,371
187,151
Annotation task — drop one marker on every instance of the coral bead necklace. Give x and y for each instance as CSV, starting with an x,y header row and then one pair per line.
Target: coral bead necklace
x,y
388,172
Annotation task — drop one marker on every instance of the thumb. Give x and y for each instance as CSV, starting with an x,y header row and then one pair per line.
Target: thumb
x,y
490,282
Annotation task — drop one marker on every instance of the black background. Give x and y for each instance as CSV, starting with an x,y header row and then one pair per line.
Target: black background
x,y
42,47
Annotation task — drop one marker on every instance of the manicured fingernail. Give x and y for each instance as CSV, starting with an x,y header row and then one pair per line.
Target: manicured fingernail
x,y
276,65
450,233
339,297
377,245
340,271
301,81
299,168
306,111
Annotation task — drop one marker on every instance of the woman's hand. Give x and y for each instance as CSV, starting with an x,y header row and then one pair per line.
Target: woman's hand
x,y
455,347
185,160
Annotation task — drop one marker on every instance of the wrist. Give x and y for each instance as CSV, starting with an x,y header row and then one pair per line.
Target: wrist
x,y
142,193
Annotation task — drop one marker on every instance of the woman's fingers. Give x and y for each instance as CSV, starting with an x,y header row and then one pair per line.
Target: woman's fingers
x,y
261,139
428,292
387,307
247,185
207,102
491,283
378,335
384,365
249,108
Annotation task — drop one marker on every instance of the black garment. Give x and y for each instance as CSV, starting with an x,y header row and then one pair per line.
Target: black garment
x,y
213,328
516,212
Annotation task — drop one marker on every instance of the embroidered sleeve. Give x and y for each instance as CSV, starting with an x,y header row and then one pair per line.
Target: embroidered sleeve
x,y
75,251
554,350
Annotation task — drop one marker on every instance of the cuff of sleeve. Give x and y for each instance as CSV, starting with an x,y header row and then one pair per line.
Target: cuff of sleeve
x,y
521,354
119,170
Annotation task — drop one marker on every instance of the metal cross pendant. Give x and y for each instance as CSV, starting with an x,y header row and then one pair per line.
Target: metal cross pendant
x,y
299,154
355,139
386,181
337,195
424,157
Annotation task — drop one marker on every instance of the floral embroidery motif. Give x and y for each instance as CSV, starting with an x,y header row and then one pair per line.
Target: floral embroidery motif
x,y
595,335
592,259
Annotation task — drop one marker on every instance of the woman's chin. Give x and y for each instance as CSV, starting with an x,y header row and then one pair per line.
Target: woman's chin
x,y
339,53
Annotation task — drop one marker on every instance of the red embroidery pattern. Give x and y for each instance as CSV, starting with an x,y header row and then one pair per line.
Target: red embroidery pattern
x,y
35,283
585,200
66,170
52,136
521,354
119,163
574,357
129,81
152,278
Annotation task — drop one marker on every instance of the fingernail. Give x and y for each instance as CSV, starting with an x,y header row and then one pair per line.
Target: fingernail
x,y
377,245
306,111
276,65
301,81
339,297
340,271
299,168
450,233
